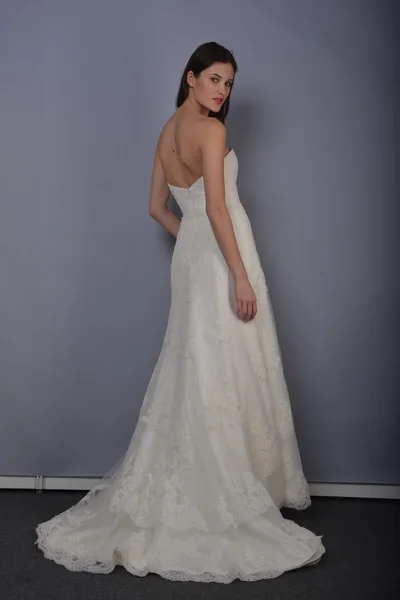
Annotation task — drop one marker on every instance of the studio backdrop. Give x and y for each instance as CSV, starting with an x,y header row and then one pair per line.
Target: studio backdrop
x,y
86,86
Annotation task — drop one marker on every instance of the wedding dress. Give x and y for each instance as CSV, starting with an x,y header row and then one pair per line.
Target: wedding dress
x,y
214,455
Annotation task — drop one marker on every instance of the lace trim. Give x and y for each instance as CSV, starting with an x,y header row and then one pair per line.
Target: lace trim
x,y
72,563
81,564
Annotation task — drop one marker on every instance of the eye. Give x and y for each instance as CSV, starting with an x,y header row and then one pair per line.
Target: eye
x,y
229,83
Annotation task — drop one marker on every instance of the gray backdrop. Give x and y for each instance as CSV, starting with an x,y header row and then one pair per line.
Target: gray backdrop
x,y
86,86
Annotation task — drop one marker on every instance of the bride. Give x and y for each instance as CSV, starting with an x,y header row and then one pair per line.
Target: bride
x,y
214,454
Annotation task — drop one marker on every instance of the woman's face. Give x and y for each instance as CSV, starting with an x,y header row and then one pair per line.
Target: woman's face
x,y
213,85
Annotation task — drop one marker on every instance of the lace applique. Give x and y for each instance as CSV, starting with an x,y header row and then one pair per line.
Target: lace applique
x,y
265,451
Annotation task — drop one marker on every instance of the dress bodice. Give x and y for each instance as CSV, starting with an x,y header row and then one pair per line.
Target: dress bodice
x,y
192,200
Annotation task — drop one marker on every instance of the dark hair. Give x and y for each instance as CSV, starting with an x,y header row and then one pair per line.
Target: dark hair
x,y
202,58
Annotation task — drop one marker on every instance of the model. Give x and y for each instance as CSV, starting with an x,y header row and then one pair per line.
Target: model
x,y
214,455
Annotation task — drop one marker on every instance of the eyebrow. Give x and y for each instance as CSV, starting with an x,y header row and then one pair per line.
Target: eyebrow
x,y
218,75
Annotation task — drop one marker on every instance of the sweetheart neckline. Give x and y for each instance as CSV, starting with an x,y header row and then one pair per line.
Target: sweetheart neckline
x,y
177,187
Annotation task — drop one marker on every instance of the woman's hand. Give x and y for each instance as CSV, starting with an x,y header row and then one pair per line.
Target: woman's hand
x,y
246,302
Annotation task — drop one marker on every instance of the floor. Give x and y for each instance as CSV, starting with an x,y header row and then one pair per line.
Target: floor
x,y
361,563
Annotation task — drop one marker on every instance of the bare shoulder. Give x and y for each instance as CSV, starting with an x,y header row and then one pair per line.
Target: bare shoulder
x,y
165,131
213,133
214,128
213,138
214,125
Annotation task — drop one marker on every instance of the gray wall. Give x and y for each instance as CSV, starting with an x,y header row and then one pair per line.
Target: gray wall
x,y
86,86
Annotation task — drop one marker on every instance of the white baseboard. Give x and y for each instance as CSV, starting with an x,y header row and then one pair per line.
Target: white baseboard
x,y
334,490
355,490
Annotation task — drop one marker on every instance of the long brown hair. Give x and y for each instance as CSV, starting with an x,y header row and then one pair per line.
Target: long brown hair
x,y
202,58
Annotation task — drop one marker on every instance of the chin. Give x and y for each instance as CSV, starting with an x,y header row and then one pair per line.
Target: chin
x,y
215,108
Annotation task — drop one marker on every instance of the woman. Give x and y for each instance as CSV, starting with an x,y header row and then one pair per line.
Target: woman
x,y
214,455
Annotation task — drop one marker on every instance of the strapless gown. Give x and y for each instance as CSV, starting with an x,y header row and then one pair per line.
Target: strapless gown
x,y
214,454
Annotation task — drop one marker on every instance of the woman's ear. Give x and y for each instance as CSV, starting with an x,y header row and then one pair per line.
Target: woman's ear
x,y
190,78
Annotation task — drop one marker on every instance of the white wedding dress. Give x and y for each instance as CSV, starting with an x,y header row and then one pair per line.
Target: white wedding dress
x,y
214,455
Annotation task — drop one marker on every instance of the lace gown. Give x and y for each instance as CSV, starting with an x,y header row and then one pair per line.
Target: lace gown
x,y
214,455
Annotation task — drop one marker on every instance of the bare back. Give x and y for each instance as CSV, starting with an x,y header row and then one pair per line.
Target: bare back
x,y
179,149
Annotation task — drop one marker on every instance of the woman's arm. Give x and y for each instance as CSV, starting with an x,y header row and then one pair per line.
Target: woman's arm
x,y
213,148
159,194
